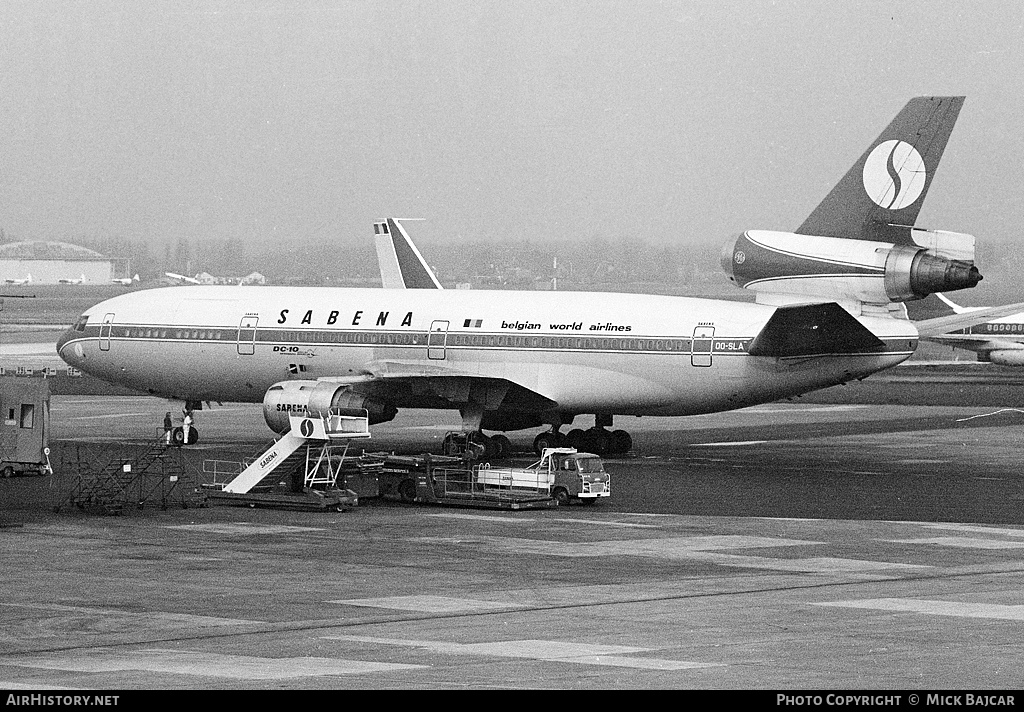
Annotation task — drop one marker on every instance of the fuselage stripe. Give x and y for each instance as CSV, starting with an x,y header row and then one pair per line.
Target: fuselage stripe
x,y
296,340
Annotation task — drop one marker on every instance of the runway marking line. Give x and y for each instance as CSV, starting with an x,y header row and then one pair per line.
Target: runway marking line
x,y
955,609
663,548
730,444
429,604
163,616
201,664
517,519
973,528
244,528
963,542
547,650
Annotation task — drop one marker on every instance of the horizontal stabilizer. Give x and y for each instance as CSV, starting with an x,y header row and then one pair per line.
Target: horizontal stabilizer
x,y
944,324
813,330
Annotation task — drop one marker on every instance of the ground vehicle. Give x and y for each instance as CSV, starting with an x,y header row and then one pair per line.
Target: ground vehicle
x,y
24,426
562,471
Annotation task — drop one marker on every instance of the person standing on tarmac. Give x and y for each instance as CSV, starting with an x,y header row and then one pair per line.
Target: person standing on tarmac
x,y
168,427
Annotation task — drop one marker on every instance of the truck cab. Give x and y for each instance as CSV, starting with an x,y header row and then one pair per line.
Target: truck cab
x,y
575,475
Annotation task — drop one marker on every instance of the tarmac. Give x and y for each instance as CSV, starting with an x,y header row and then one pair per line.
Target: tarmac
x,y
789,546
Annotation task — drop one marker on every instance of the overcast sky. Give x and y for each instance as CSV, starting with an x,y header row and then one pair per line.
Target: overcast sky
x,y
676,121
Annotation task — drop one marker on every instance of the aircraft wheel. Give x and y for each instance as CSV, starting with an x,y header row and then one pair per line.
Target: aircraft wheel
x,y
178,437
448,445
546,440
621,442
492,449
193,436
503,446
597,440
575,438
407,490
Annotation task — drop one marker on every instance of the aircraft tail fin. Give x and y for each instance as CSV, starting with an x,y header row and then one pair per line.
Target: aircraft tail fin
x,y
401,264
880,197
807,330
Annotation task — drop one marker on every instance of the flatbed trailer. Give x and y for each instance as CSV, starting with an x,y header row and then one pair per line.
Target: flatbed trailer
x,y
448,481
308,500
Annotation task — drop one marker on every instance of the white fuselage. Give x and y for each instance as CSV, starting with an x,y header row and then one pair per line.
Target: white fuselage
x,y
586,352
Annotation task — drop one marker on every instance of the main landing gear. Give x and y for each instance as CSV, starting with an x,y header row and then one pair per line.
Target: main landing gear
x,y
597,439
476,446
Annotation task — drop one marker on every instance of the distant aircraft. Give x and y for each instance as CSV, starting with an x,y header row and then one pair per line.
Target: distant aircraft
x,y
1000,341
126,281
181,277
27,280
72,280
826,313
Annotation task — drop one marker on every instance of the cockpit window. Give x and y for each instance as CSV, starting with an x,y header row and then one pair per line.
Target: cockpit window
x,y
80,324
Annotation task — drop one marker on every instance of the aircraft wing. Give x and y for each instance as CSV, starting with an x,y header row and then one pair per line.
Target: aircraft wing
x,y
979,343
938,326
390,379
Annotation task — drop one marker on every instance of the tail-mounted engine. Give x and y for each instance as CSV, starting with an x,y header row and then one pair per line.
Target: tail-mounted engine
x,y
785,263
319,398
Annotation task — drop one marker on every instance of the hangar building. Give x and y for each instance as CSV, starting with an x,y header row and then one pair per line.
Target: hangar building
x,y
52,262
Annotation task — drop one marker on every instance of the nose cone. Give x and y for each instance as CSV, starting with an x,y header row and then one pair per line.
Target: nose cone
x,y
66,354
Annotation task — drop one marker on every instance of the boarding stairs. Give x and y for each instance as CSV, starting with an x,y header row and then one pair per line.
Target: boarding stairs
x,y
316,444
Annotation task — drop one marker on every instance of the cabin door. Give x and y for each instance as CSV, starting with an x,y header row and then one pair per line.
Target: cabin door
x,y
105,328
437,338
703,338
247,335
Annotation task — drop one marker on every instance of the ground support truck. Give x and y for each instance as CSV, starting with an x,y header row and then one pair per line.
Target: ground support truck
x,y
561,475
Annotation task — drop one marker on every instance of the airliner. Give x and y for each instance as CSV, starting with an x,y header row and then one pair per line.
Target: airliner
x,y
27,280
181,277
999,341
125,281
826,311
72,280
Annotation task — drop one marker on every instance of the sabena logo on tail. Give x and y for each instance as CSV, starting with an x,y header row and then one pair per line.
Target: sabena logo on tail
x,y
894,175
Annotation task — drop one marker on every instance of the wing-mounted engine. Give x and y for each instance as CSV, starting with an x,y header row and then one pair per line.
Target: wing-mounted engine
x,y
784,267
318,398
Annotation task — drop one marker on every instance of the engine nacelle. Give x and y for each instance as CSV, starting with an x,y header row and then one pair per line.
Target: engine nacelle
x,y
1007,357
841,269
319,398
